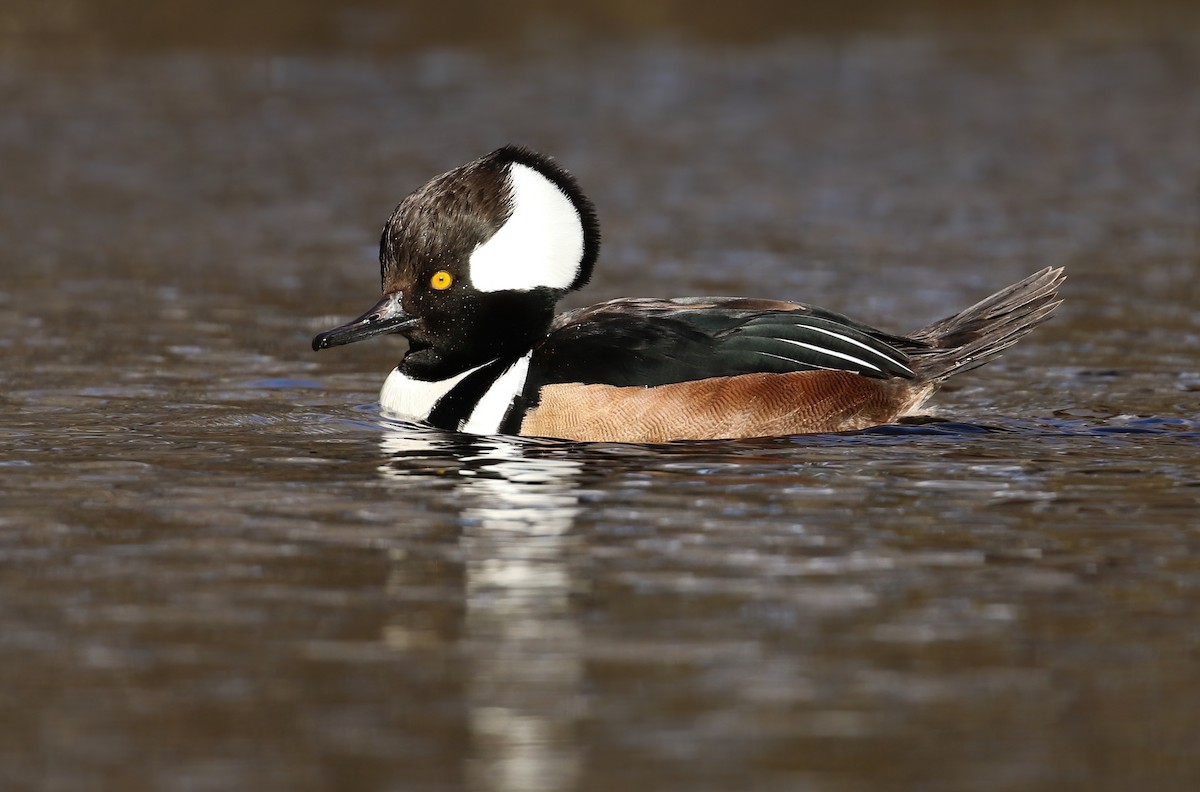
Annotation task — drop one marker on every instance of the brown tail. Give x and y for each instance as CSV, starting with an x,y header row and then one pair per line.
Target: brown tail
x,y
972,337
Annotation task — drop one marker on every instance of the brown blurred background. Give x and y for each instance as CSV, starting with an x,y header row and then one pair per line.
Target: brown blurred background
x,y
389,26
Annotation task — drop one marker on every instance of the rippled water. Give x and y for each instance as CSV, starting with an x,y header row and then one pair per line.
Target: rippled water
x,y
220,569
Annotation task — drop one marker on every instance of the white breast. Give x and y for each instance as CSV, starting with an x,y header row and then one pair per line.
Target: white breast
x,y
413,399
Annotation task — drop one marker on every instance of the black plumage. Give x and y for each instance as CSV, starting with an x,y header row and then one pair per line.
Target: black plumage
x,y
649,342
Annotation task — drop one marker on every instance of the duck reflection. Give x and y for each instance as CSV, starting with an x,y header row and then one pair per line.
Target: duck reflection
x,y
518,504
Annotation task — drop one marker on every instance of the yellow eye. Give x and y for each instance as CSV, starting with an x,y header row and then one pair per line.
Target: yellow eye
x,y
441,280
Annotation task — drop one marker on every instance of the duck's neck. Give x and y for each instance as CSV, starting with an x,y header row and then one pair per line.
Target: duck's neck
x,y
499,330
476,400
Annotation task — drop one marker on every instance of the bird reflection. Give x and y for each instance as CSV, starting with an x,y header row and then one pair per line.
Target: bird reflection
x,y
518,502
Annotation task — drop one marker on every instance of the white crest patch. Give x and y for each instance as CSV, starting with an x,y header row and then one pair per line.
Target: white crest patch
x,y
540,245
412,399
489,412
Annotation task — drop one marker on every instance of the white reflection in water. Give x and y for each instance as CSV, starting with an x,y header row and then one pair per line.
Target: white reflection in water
x,y
523,643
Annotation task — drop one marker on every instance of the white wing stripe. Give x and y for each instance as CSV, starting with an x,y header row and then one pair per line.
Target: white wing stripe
x,y
832,353
799,362
858,343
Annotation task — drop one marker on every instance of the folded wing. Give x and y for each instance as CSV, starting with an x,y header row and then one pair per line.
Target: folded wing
x,y
646,342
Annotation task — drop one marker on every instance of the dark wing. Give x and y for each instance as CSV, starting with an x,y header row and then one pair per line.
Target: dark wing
x,y
654,342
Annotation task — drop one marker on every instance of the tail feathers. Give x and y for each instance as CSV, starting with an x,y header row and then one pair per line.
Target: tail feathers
x,y
972,337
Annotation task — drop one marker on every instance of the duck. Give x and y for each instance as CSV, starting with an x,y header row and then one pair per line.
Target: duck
x,y
474,263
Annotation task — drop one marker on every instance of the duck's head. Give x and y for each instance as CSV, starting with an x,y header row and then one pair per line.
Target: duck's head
x,y
474,262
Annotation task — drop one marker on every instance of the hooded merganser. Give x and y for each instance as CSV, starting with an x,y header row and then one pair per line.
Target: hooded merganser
x,y
474,262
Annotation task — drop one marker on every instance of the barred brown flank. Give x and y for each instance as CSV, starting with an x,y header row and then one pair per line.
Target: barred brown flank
x,y
748,405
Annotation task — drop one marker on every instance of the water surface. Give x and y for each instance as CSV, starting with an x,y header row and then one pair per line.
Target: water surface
x,y
221,569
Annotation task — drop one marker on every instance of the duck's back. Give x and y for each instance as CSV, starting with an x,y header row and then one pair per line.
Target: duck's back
x,y
711,368
648,370
650,342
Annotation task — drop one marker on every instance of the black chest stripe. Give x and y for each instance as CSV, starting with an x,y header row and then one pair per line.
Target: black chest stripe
x,y
453,409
